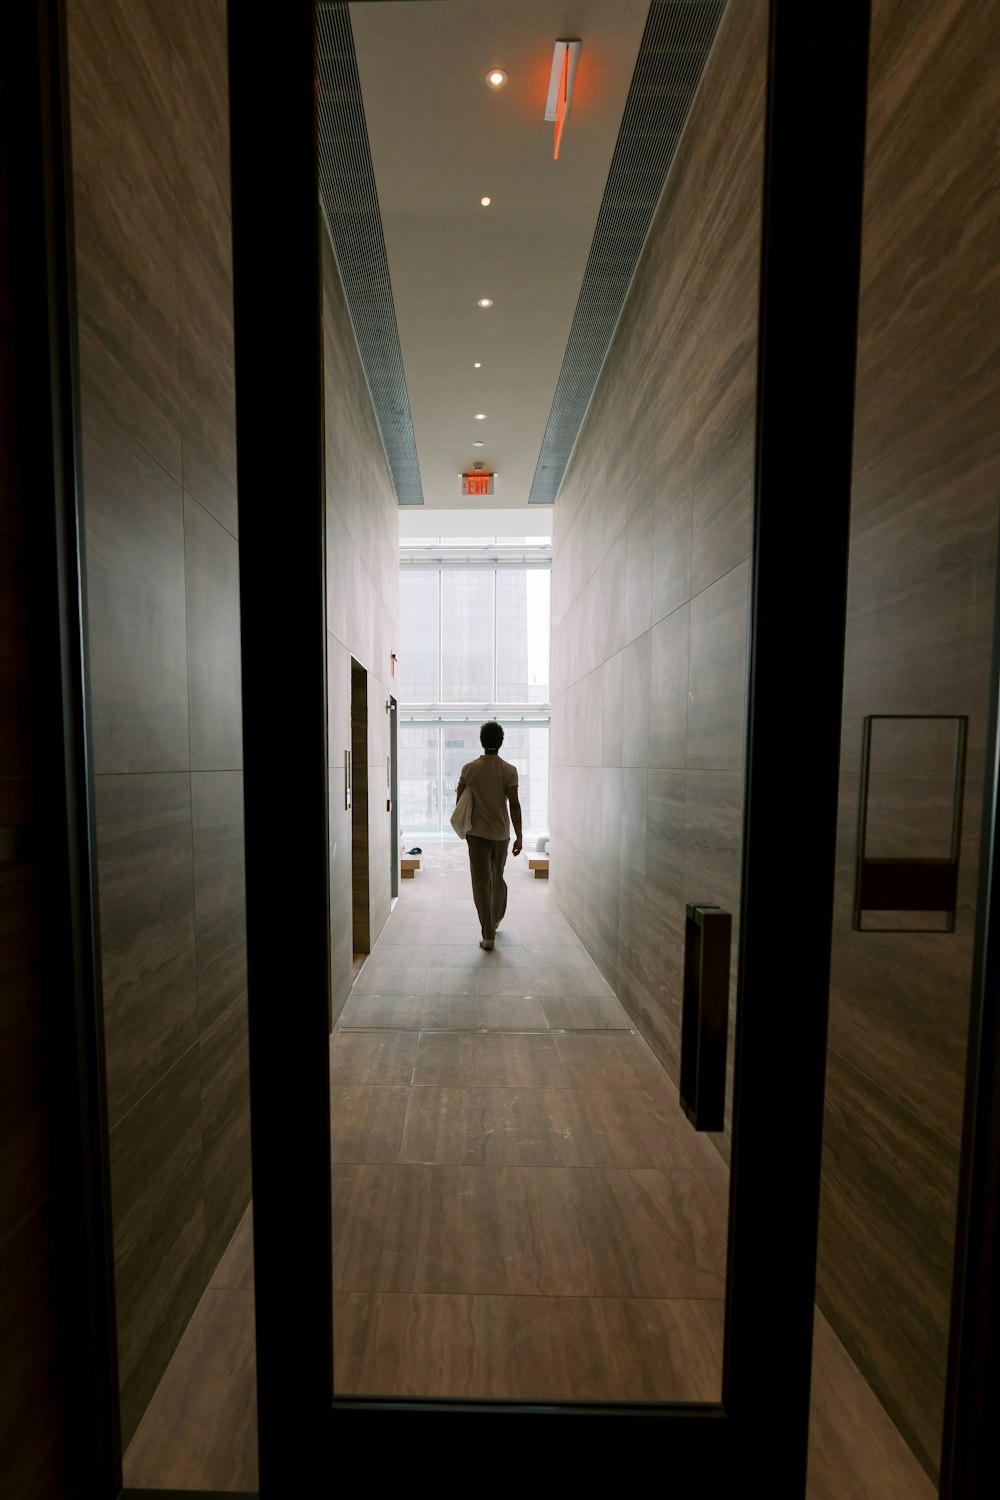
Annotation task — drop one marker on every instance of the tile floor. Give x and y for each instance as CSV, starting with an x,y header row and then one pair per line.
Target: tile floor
x,y
521,1208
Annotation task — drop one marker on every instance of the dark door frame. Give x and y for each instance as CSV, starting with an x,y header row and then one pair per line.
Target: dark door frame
x,y
43,380
808,304
361,919
392,710
810,260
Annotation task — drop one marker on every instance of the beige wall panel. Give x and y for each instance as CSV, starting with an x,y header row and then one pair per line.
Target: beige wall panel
x,y
149,106
923,538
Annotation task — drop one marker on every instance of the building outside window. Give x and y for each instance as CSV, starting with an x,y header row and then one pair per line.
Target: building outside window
x,y
474,636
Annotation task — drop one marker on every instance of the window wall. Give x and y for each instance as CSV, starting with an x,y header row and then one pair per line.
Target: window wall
x,y
431,757
474,646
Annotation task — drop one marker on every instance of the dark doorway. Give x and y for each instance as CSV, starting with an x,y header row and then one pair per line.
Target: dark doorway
x,y
359,810
393,801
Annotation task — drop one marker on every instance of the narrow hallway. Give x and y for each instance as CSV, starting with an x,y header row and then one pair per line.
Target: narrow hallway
x,y
521,1208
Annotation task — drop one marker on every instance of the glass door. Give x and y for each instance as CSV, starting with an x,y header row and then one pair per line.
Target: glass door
x,y
916,762
811,208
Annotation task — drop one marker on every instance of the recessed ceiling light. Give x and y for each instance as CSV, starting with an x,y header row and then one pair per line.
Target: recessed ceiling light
x,y
496,78
480,416
485,302
478,443
478,364
486,202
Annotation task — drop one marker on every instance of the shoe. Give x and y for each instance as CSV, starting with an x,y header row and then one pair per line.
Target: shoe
x,y
487,943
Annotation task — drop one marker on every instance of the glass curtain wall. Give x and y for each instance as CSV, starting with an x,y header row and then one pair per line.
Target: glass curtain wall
x,y
475,646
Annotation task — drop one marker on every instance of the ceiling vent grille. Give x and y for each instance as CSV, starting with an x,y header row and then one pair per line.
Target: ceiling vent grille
x,y
350,202
675,46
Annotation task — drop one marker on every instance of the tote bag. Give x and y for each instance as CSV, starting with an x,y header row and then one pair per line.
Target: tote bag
x,y
461,818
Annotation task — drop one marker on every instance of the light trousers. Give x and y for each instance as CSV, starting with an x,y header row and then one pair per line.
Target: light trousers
x,y
487,858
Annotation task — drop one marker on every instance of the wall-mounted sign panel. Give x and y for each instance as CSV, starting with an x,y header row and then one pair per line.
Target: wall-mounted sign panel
x,y
478,484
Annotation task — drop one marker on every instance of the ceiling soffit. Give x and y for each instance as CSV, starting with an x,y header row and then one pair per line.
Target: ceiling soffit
x,y
350,203
672,57
559,256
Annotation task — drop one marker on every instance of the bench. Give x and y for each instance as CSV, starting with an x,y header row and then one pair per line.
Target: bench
x,y
540,865
407,867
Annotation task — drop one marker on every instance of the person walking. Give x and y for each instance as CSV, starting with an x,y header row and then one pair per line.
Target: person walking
x,y
493,784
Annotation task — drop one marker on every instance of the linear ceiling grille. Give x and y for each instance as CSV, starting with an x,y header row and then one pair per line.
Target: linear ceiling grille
x,y
672,56
350,201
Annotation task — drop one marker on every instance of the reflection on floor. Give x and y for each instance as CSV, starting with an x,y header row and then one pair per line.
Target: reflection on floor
x,y
521,1209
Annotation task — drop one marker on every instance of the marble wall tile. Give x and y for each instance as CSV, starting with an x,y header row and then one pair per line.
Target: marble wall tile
x,y
235,1271
918,1030
717,674
341,919
337,572
929,85
124,189
614,568
219,891
338,681
591,808
212,573
208,392
136,603
666,793
922,545
224,1068
672,522
727,313
591,610
146,889
669,649
159,1229
712,832
632,830
639,570
712,836
648,966
886,1222
613,689
722,486
605,938
207,386
923,531
592,717
635,702
670,429
362,611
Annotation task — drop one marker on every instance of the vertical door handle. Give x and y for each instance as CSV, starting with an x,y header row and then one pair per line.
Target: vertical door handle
x,y
705,1015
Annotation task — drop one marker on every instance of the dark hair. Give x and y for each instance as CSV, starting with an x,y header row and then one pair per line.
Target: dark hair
x,y
491,735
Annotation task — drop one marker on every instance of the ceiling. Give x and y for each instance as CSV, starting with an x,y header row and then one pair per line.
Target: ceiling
x,y
411,139
440,139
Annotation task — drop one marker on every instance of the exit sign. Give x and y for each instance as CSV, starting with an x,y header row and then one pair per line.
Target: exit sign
x,y
477,484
